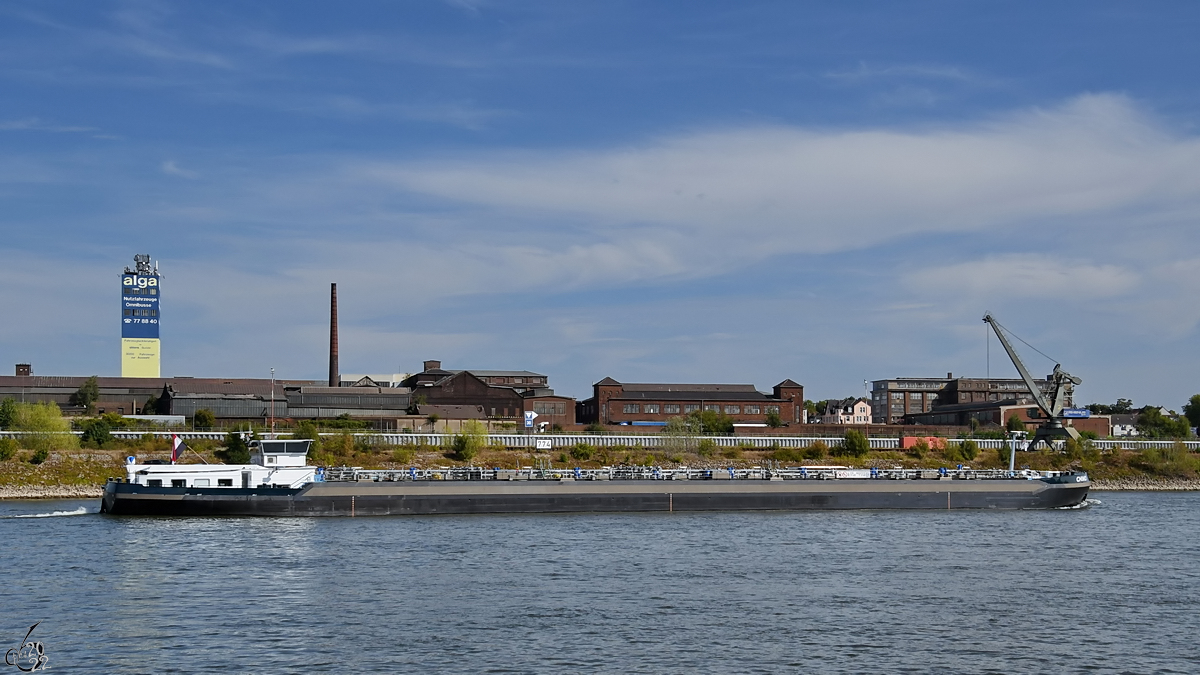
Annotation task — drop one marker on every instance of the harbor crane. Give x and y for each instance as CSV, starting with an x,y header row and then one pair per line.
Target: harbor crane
x,y
1062,385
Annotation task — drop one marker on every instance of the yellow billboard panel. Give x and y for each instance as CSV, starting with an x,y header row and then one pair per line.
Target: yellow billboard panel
x,y
139,357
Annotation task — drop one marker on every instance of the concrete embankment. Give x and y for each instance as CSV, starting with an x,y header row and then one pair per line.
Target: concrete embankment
x,y
51,491
1143,483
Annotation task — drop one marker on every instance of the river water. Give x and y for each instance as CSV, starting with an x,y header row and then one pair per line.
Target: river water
x,y
1110,588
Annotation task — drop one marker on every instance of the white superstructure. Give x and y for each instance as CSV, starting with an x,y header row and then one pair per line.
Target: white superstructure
x,y
274,463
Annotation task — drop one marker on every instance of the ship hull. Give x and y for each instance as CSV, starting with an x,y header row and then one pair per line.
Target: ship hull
x,y
423,497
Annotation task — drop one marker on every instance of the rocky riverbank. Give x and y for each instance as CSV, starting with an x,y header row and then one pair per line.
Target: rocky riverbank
x,y
51,491
1145,483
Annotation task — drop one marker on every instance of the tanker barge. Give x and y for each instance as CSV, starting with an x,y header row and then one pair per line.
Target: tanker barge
x,y
279,483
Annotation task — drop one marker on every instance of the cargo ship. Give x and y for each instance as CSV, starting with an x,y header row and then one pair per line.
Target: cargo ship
x,y
279,482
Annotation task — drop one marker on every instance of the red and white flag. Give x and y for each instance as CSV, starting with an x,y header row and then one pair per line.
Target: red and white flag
x,y
177,448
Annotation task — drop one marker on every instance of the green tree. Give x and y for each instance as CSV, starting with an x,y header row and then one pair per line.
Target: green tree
x,y
308,429
87,394
95,433
710,422
236,451
1123,406
204,419
582,452
150,407
1152,423
680,434
8,412
774,420
45,427
1191,409
817,408
855,444
1015,423
470,440
8,448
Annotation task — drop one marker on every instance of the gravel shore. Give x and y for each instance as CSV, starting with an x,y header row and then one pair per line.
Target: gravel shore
x,y
51,491
1145,484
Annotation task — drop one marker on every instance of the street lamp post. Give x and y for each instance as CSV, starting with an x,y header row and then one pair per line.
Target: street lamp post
x,y
272,403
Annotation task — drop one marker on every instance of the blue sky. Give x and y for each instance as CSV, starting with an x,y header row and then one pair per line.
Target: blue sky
x,y
671,191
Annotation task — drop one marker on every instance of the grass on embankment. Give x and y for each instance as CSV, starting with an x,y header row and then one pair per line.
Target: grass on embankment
x,y
94,466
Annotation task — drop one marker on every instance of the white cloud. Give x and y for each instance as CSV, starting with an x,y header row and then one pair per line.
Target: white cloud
x,y
1022,275
35,124
171,167
741,195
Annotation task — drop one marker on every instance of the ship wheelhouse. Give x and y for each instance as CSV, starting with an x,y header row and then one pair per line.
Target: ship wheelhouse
x,y
273,463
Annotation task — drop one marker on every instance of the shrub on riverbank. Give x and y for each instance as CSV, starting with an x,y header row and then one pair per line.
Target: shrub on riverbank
x,y
44,426
1173,462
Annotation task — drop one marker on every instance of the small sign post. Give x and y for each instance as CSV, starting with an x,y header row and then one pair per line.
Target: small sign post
x,y
530,416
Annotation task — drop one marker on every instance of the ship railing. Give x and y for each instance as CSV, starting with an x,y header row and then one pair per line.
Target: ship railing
x,y
358,474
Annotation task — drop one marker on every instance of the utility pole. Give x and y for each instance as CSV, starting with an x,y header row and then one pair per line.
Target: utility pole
x,y
272,404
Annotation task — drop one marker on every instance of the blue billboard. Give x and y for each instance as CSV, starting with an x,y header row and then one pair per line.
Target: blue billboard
x,y
1078,413
139,305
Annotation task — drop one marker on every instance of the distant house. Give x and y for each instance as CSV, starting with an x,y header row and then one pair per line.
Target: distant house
x,y
1124,425
847,411
649,404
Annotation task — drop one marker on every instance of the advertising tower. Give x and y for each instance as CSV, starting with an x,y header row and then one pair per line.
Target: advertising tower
x,y
141,289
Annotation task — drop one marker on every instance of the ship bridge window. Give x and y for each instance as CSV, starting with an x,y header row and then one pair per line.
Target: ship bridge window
x,y
154,482
178,482
200,482
224,482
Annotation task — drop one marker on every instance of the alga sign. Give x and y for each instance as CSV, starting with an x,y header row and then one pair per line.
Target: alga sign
x,y
140,317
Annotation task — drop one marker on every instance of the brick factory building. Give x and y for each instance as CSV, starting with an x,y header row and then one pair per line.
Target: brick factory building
x,y
614,402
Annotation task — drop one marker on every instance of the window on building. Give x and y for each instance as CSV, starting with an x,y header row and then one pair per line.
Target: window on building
x,y
713,407
518,380
631,408
897,396
691,407
733,410
914,397
753,410
671,408
653,408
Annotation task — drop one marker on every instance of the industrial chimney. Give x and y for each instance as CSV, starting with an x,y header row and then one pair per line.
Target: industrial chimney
x,y
334,376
